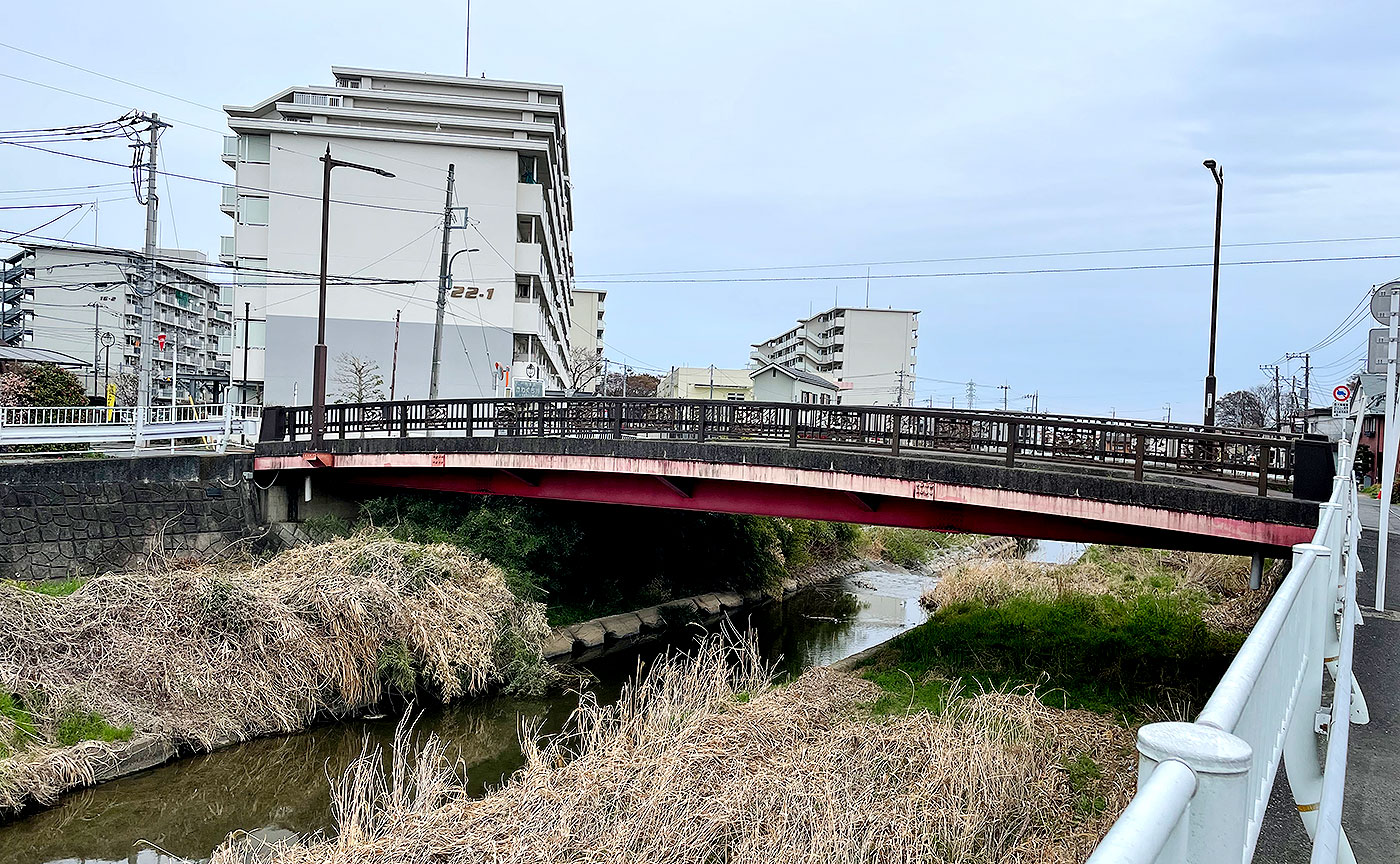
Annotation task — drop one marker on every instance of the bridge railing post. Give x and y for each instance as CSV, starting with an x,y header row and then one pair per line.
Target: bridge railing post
x,y
1139,455
1011,429
617,418
541,421
1264,453
896,428
700,423
1215,825
792,426
403,419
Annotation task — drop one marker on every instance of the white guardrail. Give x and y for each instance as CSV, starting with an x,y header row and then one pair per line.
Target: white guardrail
x,y
216,423
1203,787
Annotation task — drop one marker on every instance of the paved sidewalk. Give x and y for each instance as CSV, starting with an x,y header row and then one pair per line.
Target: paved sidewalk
x,y
1371,814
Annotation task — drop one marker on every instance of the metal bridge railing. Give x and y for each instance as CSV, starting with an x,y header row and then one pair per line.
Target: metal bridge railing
x,y
215,423
1257,456
1203,787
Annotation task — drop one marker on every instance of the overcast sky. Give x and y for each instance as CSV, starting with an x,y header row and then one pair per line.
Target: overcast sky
x,y
790,134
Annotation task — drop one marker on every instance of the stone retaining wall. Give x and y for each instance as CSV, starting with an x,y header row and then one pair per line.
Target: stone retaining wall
x,y
81,517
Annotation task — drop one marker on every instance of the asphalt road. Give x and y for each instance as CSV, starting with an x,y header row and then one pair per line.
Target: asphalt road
x,y
1371,812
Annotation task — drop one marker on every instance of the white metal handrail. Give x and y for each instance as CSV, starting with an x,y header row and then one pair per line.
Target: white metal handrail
x,y
1265,709
216,423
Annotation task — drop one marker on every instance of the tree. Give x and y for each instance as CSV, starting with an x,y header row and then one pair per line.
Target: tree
x,y
358,380
637,385
41,385
587,367
1255,408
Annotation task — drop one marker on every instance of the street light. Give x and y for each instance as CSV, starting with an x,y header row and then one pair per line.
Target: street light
x,y
318,373
443,284
1219,174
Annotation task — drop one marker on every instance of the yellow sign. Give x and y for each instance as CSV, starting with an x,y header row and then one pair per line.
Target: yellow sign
x,y
111,399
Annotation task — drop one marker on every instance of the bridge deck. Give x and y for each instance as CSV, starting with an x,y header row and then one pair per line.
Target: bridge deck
x,y
936,490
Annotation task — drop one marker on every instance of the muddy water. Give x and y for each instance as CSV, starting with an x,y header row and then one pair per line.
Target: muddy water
x,y
278,787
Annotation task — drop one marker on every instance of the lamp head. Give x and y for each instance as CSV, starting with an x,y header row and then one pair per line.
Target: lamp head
x,y
1209,163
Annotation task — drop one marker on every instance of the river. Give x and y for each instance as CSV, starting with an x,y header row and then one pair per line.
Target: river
x,y
278,787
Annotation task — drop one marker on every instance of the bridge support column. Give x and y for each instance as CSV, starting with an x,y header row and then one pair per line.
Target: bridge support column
x,y
1215,825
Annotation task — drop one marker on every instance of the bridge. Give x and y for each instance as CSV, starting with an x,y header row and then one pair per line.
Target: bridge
x,y
1057,477
1203,787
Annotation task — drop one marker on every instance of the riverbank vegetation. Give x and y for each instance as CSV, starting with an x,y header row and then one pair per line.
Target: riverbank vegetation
x,y
588,560
1136,633
703,759
196,656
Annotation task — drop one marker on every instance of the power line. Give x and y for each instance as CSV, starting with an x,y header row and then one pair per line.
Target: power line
x,y
1001,257
222,183
102,75
970,273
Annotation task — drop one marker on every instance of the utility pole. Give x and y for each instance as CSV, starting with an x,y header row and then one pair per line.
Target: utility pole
x,y
1168,408
96,335
148,295
394,368
1278,404
899,399
442,286
1307,382
712,382
1005,393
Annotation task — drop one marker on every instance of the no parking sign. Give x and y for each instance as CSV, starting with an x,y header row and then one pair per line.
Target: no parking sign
x,y
1342,393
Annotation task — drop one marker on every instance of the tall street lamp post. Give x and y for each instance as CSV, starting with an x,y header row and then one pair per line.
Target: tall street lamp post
x,y
1219,174
318,383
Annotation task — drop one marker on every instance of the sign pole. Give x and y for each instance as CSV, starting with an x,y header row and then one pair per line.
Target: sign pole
x,y
1390,451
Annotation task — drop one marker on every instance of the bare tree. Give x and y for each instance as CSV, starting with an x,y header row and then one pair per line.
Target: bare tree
x,y
358,380
1255,408
587,367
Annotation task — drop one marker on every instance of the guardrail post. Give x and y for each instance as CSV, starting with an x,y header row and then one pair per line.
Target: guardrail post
x,y
792,426
403,419
1139,455
541,423
1215,825
896,424
1300,741
617,418
138,432
700,426
1264,451
1011,429
228,426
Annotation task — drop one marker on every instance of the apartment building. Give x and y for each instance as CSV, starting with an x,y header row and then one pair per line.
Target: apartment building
x,y
511,266
869,353
84,302
706,382
586,326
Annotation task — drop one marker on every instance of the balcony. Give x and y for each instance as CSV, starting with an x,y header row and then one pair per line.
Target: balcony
x,y
229,200
230,156
226,249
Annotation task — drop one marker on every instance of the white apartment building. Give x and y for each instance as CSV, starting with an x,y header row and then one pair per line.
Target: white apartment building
x,y
586,326
869,353
70,298
706,382
508,309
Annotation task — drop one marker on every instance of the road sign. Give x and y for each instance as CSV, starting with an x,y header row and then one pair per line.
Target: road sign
x,y
529,389
1378,350
1380,302
1342,393
1339,410
160,341
531,371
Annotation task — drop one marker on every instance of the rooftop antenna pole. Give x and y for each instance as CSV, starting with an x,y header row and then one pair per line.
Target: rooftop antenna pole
x,y
467,58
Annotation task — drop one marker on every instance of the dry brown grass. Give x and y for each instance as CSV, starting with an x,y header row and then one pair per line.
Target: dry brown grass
x,y
682,769
206,655
1221,582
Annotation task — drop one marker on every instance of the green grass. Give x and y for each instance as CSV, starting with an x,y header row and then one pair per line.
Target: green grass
x,y
24,731
1083,774
1103,653
396,669
88,726
51,587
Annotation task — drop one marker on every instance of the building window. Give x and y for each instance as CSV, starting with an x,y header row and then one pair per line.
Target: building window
x,y
350,83
522,290
806,397
527,169
252,211
525,229
254,148
735,397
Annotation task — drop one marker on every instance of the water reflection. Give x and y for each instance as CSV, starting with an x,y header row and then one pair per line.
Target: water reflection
x,y
278,787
